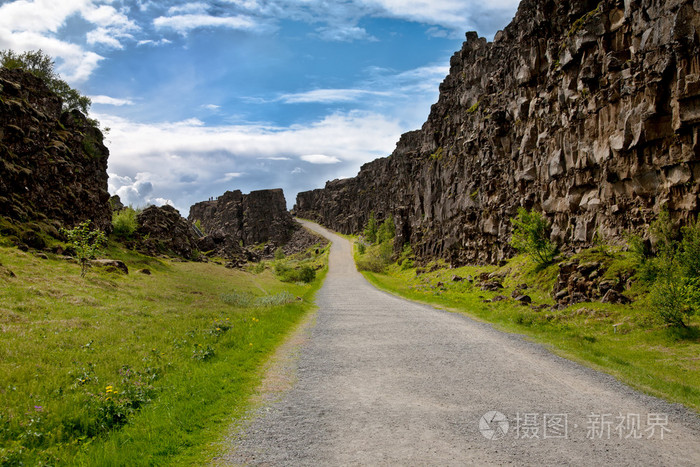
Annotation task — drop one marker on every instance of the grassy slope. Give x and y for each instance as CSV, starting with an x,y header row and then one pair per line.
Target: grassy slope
x,y
181,360
641,353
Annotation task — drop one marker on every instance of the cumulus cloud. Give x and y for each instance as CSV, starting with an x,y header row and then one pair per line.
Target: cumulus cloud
x,y
347,33
319,159
106,100
30,25
185,23
327,96
248,157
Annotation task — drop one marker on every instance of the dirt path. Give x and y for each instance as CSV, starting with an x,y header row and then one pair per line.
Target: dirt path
x,y
384,381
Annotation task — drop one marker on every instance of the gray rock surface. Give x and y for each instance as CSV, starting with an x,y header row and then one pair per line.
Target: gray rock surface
x,y
384,381
587,111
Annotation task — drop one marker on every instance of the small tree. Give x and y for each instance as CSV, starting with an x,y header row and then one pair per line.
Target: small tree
x,y
530,236
371,229
386,231
86,242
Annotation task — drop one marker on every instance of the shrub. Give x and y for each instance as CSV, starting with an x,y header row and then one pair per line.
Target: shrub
x,y
386,231
406,258
86,243
675,299
259,267
689,251
530,236
307,274
377,258
124,222
371,263
286,273
361,248
371,229
279,254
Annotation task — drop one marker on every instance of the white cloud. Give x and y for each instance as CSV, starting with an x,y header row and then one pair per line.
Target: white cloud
x,y
319,159
30,25
151,42
229,176
194,7
211,106
106,100
185,23
347,33
327,96
186,151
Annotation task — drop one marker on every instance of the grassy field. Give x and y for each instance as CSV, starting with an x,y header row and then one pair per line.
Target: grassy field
x,y
136,369
627,341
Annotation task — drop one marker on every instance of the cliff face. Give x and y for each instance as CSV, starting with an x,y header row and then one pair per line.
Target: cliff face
x,y
586,111
53,164
258,217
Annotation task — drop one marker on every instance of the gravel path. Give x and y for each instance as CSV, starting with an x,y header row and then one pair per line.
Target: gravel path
x,y
384,381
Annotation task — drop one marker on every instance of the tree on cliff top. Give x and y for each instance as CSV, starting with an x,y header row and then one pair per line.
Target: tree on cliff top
x,y
42,66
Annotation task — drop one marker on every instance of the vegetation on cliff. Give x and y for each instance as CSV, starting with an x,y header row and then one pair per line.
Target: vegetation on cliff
x,y
43,67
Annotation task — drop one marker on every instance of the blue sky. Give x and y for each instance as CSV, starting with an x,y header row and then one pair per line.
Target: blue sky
x,y
207,96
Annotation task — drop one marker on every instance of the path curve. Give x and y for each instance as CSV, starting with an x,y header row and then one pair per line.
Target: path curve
x,y
385,381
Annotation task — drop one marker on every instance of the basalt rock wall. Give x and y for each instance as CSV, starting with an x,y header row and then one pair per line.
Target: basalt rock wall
x,y
586,111
53,164
258,217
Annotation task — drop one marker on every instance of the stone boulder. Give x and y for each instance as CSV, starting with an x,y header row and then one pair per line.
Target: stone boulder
x,y
162,231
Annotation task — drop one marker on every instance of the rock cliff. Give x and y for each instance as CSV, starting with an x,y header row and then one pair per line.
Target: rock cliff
x,y
53,164
587,111
258,217
162,231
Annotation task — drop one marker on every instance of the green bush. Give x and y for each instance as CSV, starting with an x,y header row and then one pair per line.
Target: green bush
x,y
377,258
371,263
689,254
530,236
124,222
361,247
671,268
675,298
371,229
386,231
286,273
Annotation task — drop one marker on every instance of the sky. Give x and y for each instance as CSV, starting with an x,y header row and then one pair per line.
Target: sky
x,y
201,97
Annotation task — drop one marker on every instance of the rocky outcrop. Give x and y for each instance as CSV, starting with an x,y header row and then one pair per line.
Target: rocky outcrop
x,y
162,231
258,217
586,111
53,164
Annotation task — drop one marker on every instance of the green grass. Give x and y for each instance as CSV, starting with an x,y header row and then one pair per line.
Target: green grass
x,y
132,369
642,353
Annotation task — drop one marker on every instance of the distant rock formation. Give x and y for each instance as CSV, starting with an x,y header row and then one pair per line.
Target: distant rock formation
x,y
163,231
587,111
53,164
258,217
